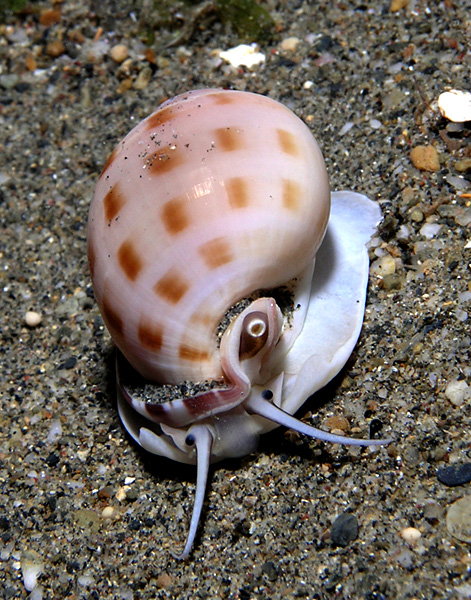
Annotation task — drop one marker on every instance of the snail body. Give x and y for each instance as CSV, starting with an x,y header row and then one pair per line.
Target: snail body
x,y
216,197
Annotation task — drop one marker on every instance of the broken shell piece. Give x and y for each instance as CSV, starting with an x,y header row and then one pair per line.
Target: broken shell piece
x,y
455,105
243,56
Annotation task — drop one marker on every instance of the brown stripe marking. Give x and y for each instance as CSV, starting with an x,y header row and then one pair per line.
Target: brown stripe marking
x,y
110,160
216,252
291,194
225,98
287,141
112,319
164,160
91,258
175,216
150,335
129,260
237,192
113,202
192,354
229,139
202,319
172,286
161,117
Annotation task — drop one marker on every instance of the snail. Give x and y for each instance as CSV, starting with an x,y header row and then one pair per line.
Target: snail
x,y
224,267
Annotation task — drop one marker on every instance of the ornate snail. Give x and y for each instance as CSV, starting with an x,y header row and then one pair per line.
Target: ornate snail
x,y
216,197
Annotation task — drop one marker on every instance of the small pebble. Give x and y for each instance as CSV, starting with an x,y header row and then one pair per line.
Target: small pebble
x,y
121,494
105,493
164,580
458,519
49,17
458,474
87,520
397,5
417,215
271,571
55,431
108,512
124,86
405,559
410,535
457,392
149,55
290,43
85,580
339,423
463,165
430,230
69,363
386,265
433,513
32,318
55,49
375,427
36,593
31,65
131,494
249,501
391,282
425,158
457,181
344,529
346,128
143,79
119,53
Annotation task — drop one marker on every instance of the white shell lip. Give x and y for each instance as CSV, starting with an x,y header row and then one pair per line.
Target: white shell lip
x,y
334,317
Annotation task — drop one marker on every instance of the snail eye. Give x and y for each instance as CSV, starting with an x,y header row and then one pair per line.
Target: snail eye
x,y
267,394
254,334
190,440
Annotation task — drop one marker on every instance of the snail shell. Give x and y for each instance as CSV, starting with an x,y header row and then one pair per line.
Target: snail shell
x,y
189,217
213,197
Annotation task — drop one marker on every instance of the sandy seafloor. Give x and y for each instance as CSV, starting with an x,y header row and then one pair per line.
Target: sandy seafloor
x,y
265,533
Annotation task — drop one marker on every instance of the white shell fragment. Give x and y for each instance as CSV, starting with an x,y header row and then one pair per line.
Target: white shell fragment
x,y
411,535
31,568
243,56
455,105
458,392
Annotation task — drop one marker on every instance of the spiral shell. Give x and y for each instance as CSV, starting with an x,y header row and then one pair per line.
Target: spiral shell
x,y
215,195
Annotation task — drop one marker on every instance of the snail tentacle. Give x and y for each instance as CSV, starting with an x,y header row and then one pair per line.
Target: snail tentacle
x,y
259,406
199,436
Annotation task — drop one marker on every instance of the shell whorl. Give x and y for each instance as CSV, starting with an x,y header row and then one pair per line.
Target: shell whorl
x,y
215,195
